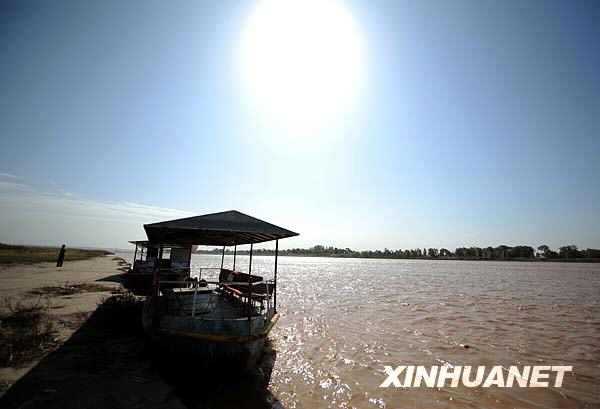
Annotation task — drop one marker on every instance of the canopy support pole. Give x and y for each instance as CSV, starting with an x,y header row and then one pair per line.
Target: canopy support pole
x,y
250,290
159,264
250,264
223,258
234,255
275,282
134,255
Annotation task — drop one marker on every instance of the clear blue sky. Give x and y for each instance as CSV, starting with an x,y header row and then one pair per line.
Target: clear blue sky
x,y
472,123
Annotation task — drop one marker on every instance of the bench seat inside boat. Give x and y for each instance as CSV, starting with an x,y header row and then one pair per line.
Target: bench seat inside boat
x,y
260,289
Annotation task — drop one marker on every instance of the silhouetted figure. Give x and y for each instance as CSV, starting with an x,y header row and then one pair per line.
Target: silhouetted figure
x,y
61,257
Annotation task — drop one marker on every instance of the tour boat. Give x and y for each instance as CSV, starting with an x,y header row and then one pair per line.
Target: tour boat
x,y
224,320
175,268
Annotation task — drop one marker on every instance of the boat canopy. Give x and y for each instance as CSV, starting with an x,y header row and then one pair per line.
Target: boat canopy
x,y
149,244
217,229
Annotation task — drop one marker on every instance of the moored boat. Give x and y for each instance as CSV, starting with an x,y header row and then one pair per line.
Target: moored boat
x,y
138,279
225,319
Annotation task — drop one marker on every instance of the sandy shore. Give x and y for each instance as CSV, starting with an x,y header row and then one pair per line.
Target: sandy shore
x,y
19,280
99,361
101,358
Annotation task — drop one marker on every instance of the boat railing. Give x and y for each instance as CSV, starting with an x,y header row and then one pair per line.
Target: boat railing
x,y
193,282
265,300
205,269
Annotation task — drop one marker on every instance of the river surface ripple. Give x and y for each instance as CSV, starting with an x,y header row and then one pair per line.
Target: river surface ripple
x,y
342,320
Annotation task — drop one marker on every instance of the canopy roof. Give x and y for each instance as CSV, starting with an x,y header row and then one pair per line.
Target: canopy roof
x,y
216,229
147,244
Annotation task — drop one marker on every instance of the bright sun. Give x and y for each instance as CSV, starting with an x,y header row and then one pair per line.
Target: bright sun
x,y
302,60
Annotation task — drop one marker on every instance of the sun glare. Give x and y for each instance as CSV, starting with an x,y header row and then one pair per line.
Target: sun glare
x,y
302,60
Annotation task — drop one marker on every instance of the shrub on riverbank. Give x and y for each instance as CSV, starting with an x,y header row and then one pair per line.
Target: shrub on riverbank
x,y
27,331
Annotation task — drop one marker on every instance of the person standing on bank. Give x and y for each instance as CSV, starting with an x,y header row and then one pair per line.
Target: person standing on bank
x,y
61,257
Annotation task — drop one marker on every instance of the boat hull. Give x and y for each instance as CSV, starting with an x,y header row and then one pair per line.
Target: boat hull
x,y
138,283
231,344
228,356
141,283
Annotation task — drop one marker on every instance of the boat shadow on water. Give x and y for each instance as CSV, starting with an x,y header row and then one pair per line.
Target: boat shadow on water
x,y
107,363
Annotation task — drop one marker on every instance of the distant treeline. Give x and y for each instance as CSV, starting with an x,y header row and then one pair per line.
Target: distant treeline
x,y
502,252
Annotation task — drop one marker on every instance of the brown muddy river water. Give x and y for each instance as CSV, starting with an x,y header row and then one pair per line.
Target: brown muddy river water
x,y
342,320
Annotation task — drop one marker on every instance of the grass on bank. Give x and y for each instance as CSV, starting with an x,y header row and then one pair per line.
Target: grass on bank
x,y
69,289
27,331
10,254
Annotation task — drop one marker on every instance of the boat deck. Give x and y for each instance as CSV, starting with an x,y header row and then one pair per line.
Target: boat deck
x,y
208,305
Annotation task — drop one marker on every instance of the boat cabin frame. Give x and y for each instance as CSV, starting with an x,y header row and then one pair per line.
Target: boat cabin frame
x,y
225,229
183,259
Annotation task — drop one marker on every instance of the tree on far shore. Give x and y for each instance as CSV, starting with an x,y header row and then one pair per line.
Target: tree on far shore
x,y
501,252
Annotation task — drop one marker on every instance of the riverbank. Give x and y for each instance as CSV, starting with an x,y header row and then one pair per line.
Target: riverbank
x,y
90,351
89,355
60,298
